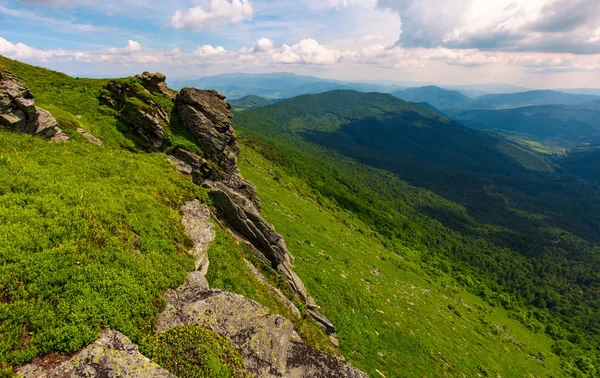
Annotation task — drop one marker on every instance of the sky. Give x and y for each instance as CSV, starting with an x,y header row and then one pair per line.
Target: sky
x,y
530,43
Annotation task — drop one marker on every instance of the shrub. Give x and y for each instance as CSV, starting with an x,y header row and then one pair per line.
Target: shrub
x,y
194,352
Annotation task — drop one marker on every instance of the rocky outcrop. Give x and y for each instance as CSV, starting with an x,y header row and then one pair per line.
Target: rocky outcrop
x,y
137,110
195,218
155,83
112,355
267,342
18,111
207,115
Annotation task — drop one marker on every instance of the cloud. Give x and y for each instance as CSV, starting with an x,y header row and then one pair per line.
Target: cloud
x,y
208,50
264,45
62,24
556,63
307,51
502,25
220,11
337,4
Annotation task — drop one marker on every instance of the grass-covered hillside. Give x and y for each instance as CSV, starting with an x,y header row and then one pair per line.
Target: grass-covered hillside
x,y
91,236
506,223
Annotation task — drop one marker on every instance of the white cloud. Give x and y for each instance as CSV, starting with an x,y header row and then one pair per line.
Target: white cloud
x,y
307,51
220,11
208,50
264,45
501,25
371,37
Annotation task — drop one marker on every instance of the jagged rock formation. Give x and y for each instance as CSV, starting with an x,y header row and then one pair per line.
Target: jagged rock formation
x,y
267,342
112,355
207,115
195,218
19,112
155,83
146,118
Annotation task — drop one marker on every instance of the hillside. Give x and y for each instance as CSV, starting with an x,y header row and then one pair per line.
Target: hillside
x,y
574,124
110,233
248,102
436,96
584,162
500,220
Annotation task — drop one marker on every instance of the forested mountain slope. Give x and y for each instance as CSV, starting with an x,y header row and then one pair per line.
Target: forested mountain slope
x,y
508,224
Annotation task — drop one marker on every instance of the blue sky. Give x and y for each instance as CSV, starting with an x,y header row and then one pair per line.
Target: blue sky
x,y
533,43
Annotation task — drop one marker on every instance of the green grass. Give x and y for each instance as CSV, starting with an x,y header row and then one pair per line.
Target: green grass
x,y
390,313
89,237
228,271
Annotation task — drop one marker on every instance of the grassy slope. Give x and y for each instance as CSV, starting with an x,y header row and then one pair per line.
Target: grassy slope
x,y
90,236
391,314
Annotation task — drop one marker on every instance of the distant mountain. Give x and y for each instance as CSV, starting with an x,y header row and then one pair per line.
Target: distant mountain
x,y
399,136
247,102
481,89
436,96
575,123
274,85
515,100
588,91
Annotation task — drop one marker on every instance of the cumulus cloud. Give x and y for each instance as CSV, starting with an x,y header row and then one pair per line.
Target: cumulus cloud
x,y
264,45
208,50
220,11
502,25
307,51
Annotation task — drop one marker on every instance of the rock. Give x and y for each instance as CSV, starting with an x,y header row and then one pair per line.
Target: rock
x,y
146,118
191,164
155,83
206,115
181,166
267,342
112,355
195,218
244,218
18,111
272,289
304,362
323,322
260,337
93,140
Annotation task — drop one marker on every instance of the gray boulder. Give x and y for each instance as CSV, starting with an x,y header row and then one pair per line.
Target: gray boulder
x,y
195,218
267,342
112,355
18,110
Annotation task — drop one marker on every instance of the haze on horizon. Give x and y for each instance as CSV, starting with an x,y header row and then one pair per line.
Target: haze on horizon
x,y
533,43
